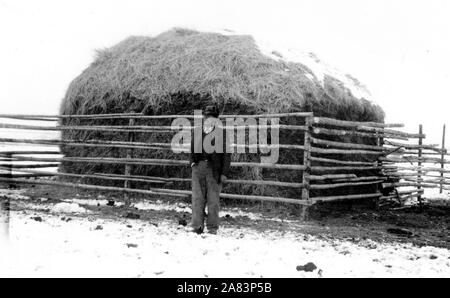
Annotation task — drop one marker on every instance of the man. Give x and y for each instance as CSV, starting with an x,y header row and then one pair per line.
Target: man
x,y
209,170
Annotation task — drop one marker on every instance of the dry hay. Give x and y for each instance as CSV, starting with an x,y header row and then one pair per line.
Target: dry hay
x,y
182,70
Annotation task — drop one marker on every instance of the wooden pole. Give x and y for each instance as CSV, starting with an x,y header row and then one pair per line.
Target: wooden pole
x,y
266,183
156,192
84,176
26,175
141,116
34,166
241,197
415,168
307,164
141,128
5,206
338,132
127,183
337,185
442,158
331,176
240,181
10,167
29,152
366,178
135,145
346,145
342,162
334,122
419,164
92,116
144,129
410,159
380,164
156,162
345,197
344,168
411,146
345,151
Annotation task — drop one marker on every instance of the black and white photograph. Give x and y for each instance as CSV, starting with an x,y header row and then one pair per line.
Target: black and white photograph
x,y
235,141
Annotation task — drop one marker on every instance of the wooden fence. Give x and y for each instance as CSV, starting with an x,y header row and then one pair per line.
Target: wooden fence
x,y
418,166
336,155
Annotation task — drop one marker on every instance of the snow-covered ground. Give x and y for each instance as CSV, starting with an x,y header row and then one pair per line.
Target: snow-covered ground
x,y
48,244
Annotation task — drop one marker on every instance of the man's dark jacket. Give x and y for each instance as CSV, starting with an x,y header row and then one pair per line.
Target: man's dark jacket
x,y
220,162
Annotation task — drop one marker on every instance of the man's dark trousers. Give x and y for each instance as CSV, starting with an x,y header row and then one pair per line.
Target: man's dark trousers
x,y
205,192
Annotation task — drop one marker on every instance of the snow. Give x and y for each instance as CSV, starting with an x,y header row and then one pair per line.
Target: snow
x,y
318,67
183,207
92,202
75,248
124,247
68,208
16,194
438,199
159,205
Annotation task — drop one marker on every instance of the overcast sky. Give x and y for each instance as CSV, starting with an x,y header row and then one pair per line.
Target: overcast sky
x,y
399,49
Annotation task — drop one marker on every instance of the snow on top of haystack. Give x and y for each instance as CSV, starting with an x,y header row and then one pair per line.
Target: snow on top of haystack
x,y
319,68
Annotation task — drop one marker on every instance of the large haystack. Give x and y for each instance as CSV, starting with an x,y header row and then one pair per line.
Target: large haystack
x,y
181,70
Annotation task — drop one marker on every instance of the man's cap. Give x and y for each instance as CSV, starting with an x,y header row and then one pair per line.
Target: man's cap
x,y
211,111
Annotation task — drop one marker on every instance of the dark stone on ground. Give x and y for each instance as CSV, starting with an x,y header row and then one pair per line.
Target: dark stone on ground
x,y
132,215
37,218
99,227
110,203
308,267
132,245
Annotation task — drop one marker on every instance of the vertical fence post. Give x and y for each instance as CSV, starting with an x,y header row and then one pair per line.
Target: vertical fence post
x,y
127,183
379,165
307,162
10,168
442,159
419,165
5,203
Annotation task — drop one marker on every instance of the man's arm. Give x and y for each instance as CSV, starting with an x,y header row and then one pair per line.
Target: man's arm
x,y
226,157
193,159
